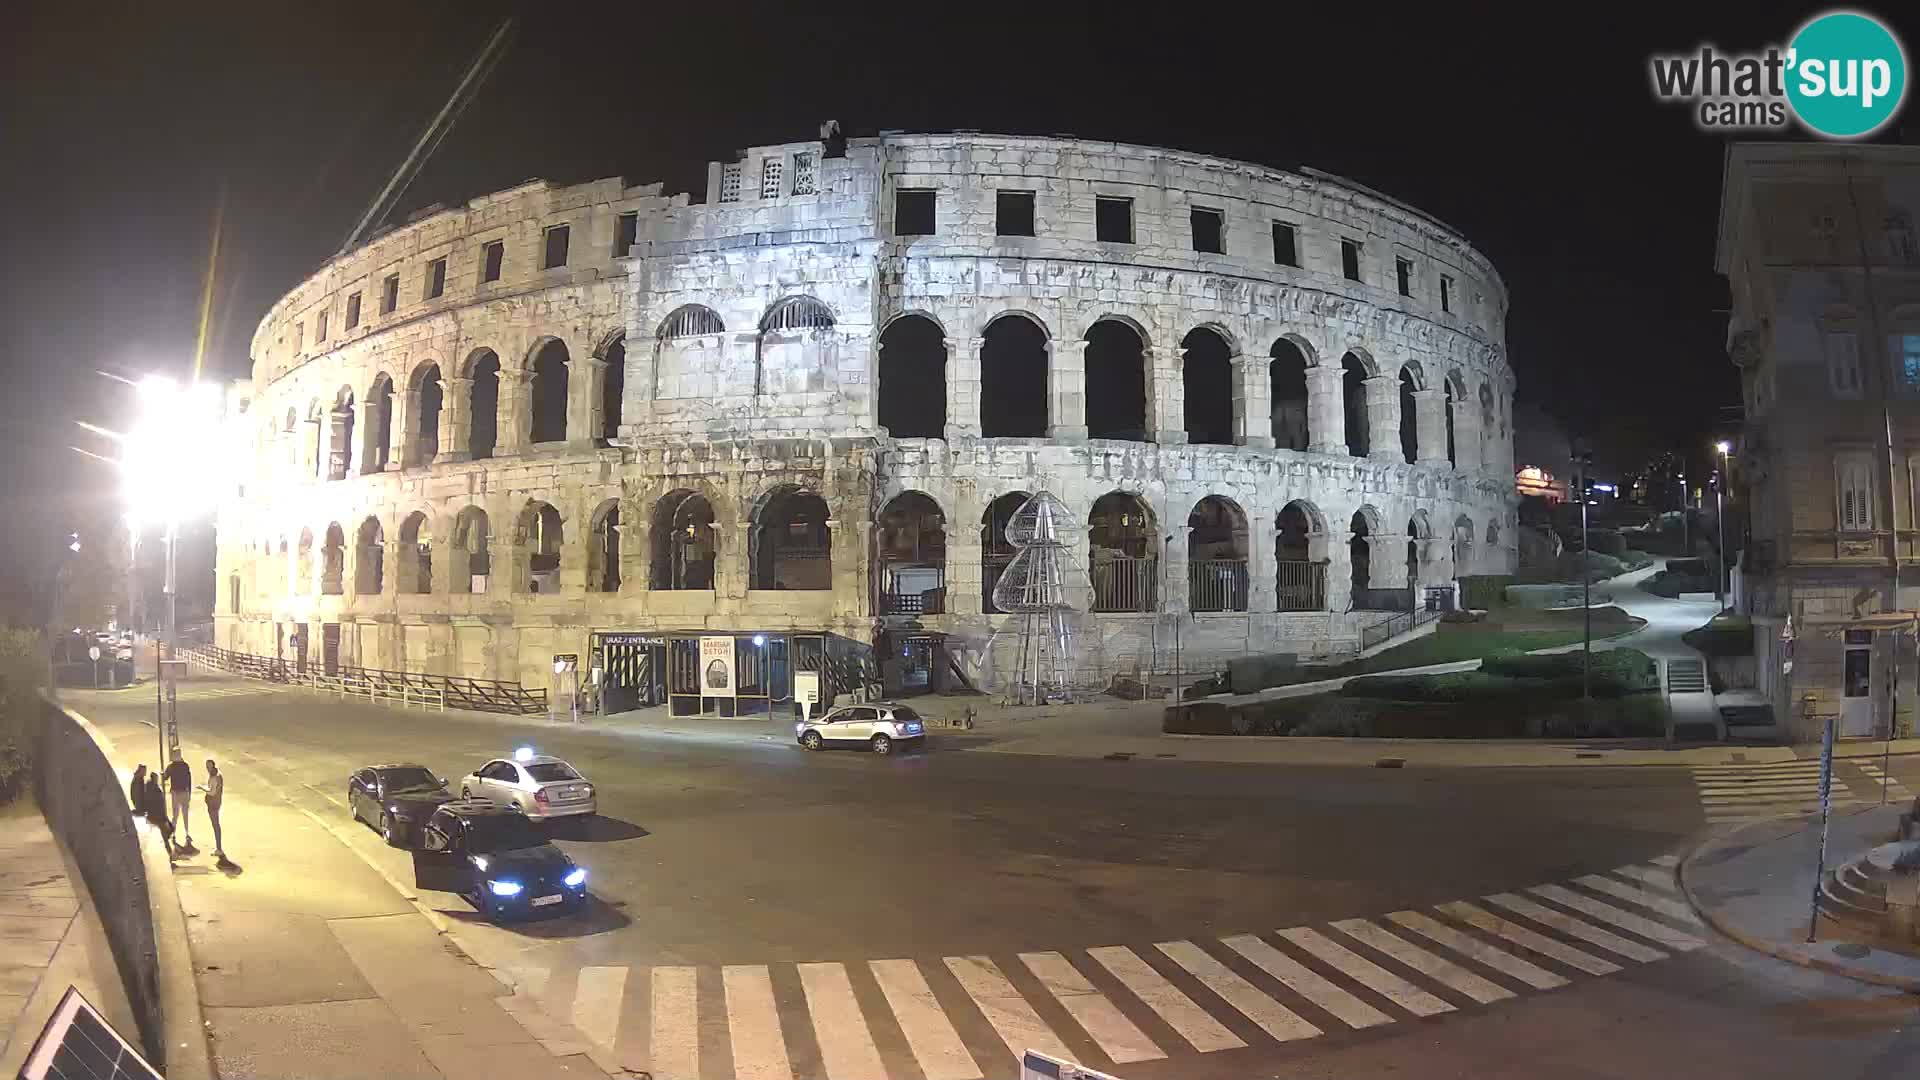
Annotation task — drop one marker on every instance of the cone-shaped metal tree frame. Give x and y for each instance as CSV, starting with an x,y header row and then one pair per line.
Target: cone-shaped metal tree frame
x,y
1042,655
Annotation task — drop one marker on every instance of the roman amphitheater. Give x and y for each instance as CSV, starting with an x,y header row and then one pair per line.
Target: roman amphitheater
x,y
609,422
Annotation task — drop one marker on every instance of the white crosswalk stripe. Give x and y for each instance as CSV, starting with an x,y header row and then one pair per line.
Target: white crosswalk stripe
x,y
1307,983
1482,919
1895,790
1668,861
846,1044
1367,973
1585,931
1737,793
1119,1039
597,998
675,1041
1447,972
759,1048
1012,1018
1474,949
1193,1023
1638,894
1626,920
1274,1018
930,1035
1658,877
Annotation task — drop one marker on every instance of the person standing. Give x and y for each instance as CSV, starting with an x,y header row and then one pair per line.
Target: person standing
x,y
216,788
137,790
154,806
180,794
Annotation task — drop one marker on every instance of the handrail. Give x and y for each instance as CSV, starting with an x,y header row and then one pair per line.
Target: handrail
x,y
376,684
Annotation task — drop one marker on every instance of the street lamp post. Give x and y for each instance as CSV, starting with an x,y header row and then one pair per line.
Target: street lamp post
x,y
1584,459
1720,523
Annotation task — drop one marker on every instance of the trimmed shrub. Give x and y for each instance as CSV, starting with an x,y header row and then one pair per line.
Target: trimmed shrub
x,y
1485,591
1606,542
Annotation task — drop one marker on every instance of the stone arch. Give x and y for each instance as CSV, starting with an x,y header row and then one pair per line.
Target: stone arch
x,y
1218,550
427,396
613,384
1116,379
796,313
539,538
1287,394
303,564
1301,558
1463,536
546,376
1355,370
1014,365
1123,549
415,555
996,552
1361,529
604,529
1039,323
910,556
915,313
912,392
1452,404
470,552
370,558
790,545
333,561
793,332
379,425
1206,373
340,440
482,370
690,320
684,542
1410,412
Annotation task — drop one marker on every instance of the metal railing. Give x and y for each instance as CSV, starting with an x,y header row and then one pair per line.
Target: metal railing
x,y
1301,585
1393,626
1125,583
375,684
1217,585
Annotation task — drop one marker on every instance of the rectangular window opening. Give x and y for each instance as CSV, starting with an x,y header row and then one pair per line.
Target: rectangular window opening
x,y
730,182
1350,259
629,232
803,174
1403,275
437,278
1013,213
557,239
771,171
353,310
1113,220
1209,227
1446,293
1843,364
1286,251
913,212
320,328
299,336
491,257
389,294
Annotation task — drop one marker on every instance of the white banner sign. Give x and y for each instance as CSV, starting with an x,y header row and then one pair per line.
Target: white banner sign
x,y
716,666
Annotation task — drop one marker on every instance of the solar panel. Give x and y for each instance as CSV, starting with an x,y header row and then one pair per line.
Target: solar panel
x,y
79,1044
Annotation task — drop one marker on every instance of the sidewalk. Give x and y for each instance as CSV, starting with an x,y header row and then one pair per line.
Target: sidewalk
x,y
1755,885
50,938
310,965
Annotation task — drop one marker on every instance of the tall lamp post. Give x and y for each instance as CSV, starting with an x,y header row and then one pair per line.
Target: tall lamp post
x,y
1720,522
1583,462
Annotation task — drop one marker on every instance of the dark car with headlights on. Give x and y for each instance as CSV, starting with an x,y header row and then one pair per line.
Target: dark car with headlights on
x,y
396,799
495,858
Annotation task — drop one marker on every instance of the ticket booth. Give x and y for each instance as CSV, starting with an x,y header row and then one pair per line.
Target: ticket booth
x,y
633,670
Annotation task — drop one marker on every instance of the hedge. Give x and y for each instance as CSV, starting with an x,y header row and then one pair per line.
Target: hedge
x,y
1485,591
1511,676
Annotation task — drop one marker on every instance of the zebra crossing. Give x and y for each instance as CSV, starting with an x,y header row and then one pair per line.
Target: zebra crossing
x,y
970,1017
1736,793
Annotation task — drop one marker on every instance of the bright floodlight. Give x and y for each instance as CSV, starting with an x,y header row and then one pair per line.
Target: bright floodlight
x,y
173,457
525,753
1723,446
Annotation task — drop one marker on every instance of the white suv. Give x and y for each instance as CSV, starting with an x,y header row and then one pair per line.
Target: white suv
x,y
879,726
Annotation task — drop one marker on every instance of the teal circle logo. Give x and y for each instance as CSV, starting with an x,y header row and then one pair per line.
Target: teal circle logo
x,y
1847,75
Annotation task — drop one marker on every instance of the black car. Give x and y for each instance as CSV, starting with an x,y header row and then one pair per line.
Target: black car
x,y
497,859
396,799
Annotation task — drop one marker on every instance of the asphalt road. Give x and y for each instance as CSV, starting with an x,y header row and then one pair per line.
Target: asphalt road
x,y
751,852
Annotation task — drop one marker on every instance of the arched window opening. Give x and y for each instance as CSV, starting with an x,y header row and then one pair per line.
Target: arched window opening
x,y
1418,533
603,551
333,561
379,425
340,444
370,559
683,542
1489,423
1123,554
1493,532
1287,390
794,344
1013,379
427,396
472,561
1360,555
792,542
1353,397
996,552
1462,545
797,313
1301,557
484,426
303,564
613,389
911,549
416,556
692,320
549,393
1116,382
1216,555
233,593
539,539
1453,453
1207,377
321,427
1409,418
913,379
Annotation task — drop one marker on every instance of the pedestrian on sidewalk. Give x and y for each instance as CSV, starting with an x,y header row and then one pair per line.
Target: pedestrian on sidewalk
x,y
154,805
215,787
137,790
180,791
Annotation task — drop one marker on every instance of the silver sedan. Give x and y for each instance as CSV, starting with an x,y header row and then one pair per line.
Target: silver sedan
x,y
541,785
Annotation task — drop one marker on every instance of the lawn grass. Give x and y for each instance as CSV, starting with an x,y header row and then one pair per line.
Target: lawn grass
x,y
1517,630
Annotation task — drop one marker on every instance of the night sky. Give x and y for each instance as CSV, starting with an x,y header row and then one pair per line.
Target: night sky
x,y
125,125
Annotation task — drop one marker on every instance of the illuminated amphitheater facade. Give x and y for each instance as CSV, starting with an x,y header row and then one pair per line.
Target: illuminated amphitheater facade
x,y
596,418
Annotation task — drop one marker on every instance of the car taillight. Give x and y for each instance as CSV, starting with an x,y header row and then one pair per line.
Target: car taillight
x,y
540,796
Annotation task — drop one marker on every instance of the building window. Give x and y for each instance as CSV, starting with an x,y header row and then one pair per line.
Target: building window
x,y
1013,213
1209,227
1854,492
628,232
804,181
389,294
558,237
730,182
912,212
491,257
320,328
1403,275
1286,249
1446,293
1843,363
1350,259
771,170
1906,364
1113,220
437,278
353,310
1900,242
299,336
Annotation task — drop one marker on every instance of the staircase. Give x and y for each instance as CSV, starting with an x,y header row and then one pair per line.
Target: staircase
x,y
1875,894
1686,676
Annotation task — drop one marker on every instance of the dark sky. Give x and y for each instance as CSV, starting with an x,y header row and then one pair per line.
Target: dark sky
x,y
123,124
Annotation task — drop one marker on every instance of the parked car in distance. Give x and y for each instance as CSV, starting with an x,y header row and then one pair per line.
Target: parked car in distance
x,y
493,857
880,726
541,785
396,799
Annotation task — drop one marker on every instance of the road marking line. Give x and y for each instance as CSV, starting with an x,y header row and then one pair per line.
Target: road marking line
x,y
1307,983
1474,949
1665,860
1274,1018
1119,1039
1646,898
1626,920
759,1049
930,1035
596,1003
1012,1018
674,1042
1527,939
1757,789
1367,973
1572,927
1435,967
1194,1024
846,1045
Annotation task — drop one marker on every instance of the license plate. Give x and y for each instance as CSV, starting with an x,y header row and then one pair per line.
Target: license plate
x,y
543,901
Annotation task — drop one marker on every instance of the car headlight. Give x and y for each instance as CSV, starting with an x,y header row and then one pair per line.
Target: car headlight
x,y
589,791
504,888
576,877
480,861
800,728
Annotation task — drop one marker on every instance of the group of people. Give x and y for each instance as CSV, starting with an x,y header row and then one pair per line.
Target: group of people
x,y
171,812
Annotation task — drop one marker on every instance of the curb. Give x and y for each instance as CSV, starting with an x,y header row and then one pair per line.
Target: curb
x,y
1775,949
188,1057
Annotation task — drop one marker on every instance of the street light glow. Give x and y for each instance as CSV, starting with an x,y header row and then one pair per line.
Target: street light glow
x,y
1724,447
173,457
